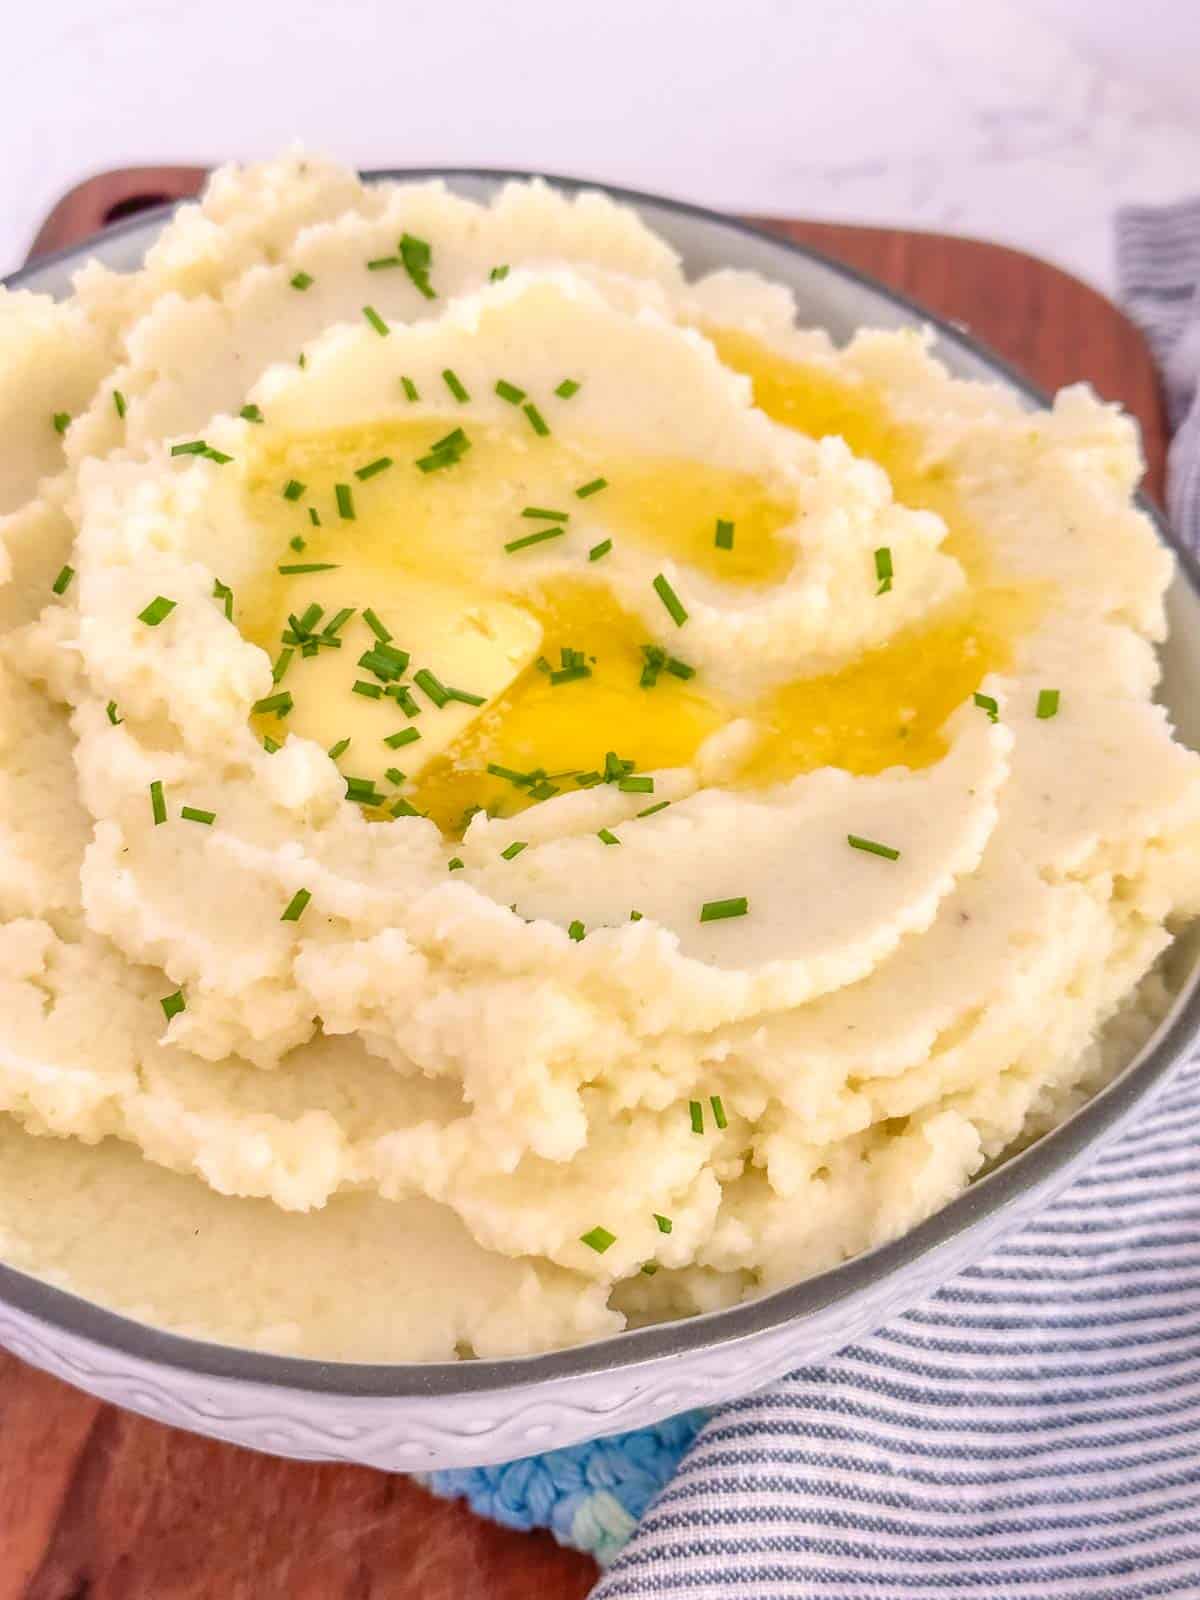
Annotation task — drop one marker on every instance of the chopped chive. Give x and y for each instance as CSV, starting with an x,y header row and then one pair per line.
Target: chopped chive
x,y
339,749
873,847
649,1268
314,516
282,662
119,402
599,550
218,456
498,274
615,767
594,487
521,779
567,388
630,784
394,775
664,1223
445,452
588,780
718,1111
385,662
222,592
671,600
404,808
535,538
883,569
302,280
403,698
297,544
430,685
540,514
376,627
576,931
193,447
410,389
724,535
302,360
719,910
607,836
296,905
514,849
381,263
250,413
416,256
1047,703
598,1239
278,704
635,916
373,691
296,568
62,421
344,496
362,790
509,391
536,420
543,790
405,736
173,1004
293,489
650,810
63,582
372,468
679,669
158,806
986,703
337,622
270,745
111,709
696,1112
154,613
452,381
376,321
194,814
455,864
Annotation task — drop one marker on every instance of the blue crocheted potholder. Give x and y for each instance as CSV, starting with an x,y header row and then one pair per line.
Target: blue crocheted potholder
x,y
590,1496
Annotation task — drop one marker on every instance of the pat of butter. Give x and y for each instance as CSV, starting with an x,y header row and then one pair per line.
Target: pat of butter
x,y
470,642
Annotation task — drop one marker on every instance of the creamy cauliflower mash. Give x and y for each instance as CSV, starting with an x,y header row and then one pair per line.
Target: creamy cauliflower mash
x,y
538,795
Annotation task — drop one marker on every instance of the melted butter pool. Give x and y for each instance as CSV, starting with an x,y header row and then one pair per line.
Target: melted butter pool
x,y
418,546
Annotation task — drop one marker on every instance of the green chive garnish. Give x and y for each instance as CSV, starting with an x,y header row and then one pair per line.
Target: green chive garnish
x,y
119,402
296,905
509,391
607,836
173,1004
296,568
719,910
576,931
724,536
535,538
302,280
410,389
222,592
376,321
154,613
373,691
372,468
540,514
567,388
270,745
293,489
278,704
111,709
62,421
339,749
536,420
630,784
498,274
664,1223
696,1112
1047,703
193,447
416,256
635,916
600,549
394,775
671,600
158,805
594,487
218,456
297,544
405,736
883,569
514,849
661,805
873,847
455,864
62,583
454,384
344,496
250,413
598,1239
718,1111
381,263
282,662
986,703
337,622
194,814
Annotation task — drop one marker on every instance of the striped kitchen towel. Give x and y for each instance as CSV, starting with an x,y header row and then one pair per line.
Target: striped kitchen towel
x,y
1034,1429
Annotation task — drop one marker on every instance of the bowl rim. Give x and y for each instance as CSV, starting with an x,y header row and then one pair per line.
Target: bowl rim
x,y
711,1331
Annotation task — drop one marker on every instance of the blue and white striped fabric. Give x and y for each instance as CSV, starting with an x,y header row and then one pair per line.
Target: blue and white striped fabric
x,y
1034,1429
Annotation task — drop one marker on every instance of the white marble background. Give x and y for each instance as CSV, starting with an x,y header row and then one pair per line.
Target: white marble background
x,y
1026,121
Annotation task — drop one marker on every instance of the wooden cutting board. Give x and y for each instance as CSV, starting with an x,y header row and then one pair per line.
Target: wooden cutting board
x,y
100,1504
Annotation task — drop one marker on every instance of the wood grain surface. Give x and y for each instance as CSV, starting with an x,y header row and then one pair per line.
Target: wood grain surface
x,y
96,1504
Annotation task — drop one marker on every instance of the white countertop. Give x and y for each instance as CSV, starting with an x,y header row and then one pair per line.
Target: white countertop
x,y
1026,121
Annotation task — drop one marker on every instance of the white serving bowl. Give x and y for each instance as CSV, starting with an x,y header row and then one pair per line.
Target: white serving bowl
x,y
454,1414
